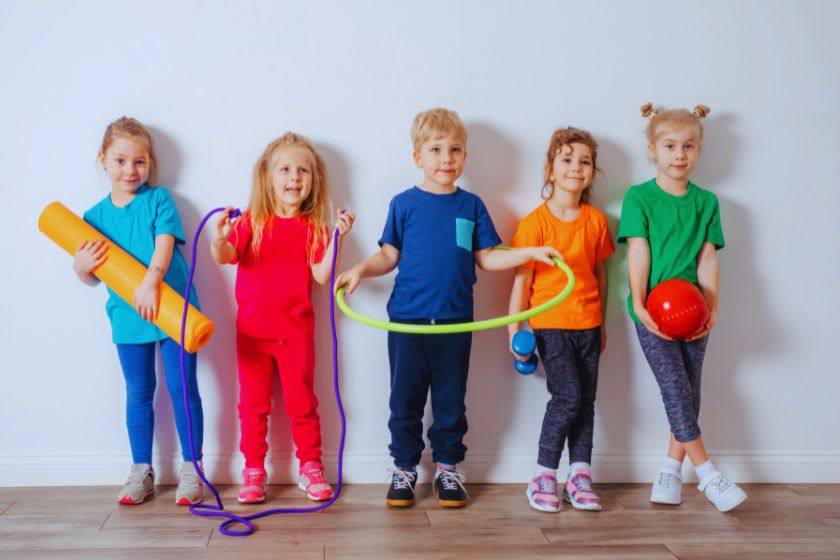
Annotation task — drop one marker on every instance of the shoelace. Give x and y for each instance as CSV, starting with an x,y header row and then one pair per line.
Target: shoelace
x,y
722,484
451,480
315,476
667,479
582,483
402,479
253,479
547,485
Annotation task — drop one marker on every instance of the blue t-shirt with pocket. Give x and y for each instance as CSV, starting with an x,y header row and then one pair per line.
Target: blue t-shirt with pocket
x,y
134,227
436,235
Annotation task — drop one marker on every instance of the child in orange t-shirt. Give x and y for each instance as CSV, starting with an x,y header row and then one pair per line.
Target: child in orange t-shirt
x,y
570,337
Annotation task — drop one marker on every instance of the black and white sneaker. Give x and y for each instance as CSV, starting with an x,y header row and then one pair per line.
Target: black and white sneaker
x,y
401,490
449,486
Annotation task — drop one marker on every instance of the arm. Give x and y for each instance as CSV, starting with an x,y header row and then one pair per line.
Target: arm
x,y
321,271
708,276
89,255
638,271
380,263
221,249
146,295
601,277
498,259
518,298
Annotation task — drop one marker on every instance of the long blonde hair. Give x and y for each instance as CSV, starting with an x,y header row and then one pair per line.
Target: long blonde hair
x,y
127,127
315,208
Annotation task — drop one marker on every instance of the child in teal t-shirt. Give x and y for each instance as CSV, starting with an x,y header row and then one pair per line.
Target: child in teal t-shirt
x,y
672,229
144,222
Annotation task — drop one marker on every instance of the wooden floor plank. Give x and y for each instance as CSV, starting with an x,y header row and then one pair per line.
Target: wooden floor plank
x,y
482,552
304,552
707,551
699,535
49,522
136,538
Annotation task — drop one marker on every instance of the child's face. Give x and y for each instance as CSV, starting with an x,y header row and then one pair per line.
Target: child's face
x,y
292,177
572,170
675,151
127,163
442,160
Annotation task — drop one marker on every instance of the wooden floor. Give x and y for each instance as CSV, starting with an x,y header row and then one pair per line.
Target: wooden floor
x,y
779,521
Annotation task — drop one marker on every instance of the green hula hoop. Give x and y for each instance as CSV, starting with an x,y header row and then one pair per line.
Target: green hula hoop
x,y
461,327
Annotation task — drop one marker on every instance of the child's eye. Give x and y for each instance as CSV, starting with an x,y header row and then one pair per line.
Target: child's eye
x,y
567,160
669,146
120,161
304,170
456,150
435,150
585,162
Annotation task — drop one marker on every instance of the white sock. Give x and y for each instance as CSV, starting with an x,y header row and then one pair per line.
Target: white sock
x,y
541,469
447,466
574,467
672,466
705,470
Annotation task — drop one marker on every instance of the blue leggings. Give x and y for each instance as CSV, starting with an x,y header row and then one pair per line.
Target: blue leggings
x,y
138,365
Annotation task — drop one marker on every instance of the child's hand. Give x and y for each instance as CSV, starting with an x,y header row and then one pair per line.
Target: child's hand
x,y
146,296
223,226
89,255
511,334
345,222
544,254
350,278
707,328
648,322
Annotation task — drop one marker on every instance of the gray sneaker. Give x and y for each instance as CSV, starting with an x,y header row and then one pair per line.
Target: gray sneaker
x,y
667,489
140,483
723,493
191,488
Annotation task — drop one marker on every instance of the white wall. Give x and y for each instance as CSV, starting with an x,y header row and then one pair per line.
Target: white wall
x,y
216,83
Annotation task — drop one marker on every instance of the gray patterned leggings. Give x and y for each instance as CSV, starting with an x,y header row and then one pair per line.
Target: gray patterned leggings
x,y
677,366
571,359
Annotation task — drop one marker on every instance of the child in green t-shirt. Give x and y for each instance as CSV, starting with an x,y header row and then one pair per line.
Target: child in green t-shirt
x,y
672,229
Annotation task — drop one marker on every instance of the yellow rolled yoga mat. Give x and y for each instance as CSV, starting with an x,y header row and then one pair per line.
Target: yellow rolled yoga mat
x,y
123,273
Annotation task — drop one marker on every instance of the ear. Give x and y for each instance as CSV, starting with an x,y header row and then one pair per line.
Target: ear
x,y
102,159
416,156
652,152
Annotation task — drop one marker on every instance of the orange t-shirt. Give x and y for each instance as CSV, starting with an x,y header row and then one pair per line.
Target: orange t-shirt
x,y
583,243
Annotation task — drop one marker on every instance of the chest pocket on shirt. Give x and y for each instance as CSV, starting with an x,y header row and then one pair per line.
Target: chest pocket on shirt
x,y
464,233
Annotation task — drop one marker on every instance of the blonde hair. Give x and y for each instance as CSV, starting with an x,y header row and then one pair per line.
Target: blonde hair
x,y
660,120
437,123
315,207
566,137
127,127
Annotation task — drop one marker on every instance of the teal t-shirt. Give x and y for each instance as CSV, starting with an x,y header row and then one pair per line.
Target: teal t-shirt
x,y
675,227
134,228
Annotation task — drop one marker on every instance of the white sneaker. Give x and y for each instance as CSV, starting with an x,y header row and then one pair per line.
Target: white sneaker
x,y
723,493
191,488
140,484
667,489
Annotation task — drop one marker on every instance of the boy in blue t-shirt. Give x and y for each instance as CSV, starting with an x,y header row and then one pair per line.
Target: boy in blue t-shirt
x,y
435,233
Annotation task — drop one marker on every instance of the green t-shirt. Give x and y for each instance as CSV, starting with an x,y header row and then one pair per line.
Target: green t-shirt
x,y
675,226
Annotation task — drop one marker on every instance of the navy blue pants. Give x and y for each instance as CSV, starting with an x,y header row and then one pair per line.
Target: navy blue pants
x,y
138,365
571,360
678,367
420,362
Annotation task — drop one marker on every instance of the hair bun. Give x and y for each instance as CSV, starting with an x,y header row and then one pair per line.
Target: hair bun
x,y
647,110
701,111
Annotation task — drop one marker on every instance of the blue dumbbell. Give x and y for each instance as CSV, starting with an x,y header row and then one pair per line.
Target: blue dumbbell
x,y
524,344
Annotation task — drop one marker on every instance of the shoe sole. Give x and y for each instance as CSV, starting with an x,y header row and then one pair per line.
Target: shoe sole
x,y
187,502
250,501
452,503
399,503
664,502
539,507
583,507
733,503
313,497
129,501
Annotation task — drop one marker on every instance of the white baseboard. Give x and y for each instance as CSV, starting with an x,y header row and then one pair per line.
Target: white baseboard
x,y
367,468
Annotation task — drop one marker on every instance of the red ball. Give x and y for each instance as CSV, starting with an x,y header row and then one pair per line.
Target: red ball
x,y
678,307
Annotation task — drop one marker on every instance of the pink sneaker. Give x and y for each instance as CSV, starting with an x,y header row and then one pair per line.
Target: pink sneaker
x,y
542,493
252,490
312,482
578,491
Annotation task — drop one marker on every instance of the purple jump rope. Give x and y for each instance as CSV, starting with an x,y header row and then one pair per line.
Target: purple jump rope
x,y
218,510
